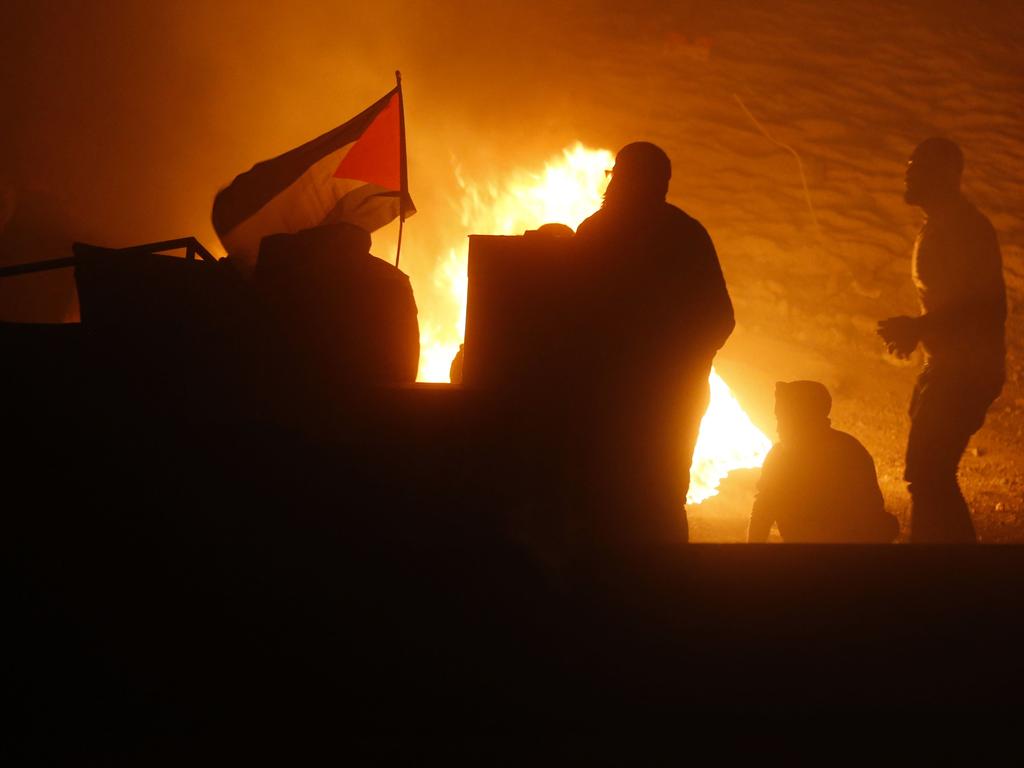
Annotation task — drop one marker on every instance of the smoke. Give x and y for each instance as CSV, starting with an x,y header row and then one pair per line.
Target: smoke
x,y
136,113
133,114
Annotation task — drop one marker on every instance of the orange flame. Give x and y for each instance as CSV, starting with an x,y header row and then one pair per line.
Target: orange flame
x,y
728,440
567,190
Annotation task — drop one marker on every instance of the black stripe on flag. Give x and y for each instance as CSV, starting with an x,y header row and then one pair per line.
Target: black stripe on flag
x,y
252,190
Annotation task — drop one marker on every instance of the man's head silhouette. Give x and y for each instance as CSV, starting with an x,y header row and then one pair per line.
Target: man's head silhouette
x,y
640,175
933,173
801,408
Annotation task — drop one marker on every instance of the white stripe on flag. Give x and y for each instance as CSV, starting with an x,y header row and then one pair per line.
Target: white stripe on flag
x,y
305,203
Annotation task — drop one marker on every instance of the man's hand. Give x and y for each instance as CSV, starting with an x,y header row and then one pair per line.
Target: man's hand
x,y
901,335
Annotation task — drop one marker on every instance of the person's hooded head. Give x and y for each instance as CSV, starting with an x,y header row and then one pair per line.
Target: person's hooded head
x,y
640,176
801,409
933,173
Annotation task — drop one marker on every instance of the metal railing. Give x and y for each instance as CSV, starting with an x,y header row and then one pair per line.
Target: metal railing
x,y
190,244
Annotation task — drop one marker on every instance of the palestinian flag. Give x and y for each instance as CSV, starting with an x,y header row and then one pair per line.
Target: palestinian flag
x,y
355,173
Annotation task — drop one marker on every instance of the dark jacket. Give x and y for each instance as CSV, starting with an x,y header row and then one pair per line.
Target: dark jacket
x,y
657,309
660,278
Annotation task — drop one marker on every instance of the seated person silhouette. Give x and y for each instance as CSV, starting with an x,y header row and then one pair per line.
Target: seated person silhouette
x,y
336,314
818,484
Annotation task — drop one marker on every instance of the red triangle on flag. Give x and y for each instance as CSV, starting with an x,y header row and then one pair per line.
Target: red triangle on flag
x,y
376,156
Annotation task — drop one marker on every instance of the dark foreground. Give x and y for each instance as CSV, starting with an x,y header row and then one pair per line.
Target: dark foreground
x,y
351,580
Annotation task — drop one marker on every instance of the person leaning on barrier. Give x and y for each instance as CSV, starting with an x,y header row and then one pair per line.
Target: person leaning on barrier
x,y
817,484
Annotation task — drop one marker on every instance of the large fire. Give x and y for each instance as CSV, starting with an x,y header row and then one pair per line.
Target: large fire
x,y
728,440
567,190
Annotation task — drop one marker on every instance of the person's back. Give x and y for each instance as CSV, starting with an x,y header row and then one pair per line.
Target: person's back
x,y
658,310
339,315
659,281
817,484
957,270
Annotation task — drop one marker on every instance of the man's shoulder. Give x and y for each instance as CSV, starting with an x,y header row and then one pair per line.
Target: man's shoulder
x,y
968,208
848,444
678,216
964,218
683,226
831,442
593,220
981,224
666,221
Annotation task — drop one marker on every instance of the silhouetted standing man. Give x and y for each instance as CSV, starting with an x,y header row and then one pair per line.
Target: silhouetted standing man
x,y
660,312
957,268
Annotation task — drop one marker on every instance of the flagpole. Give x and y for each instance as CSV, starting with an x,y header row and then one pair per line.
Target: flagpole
x,y
398,250
402,179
